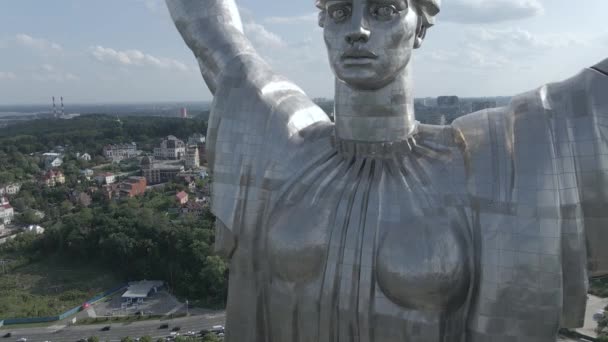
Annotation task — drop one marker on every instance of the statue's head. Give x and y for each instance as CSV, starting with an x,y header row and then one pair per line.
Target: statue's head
x,y
370,42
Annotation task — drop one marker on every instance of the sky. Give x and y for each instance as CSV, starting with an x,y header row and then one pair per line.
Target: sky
x,y
114,51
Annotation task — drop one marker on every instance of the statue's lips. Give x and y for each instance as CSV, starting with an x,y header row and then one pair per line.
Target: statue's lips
x,y
359,54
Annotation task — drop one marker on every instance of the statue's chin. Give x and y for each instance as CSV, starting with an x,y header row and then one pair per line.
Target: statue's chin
x,y
365,83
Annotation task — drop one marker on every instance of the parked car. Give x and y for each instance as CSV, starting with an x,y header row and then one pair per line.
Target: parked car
x,y
8,334
23,339
164,326
176,328
106,328
217,329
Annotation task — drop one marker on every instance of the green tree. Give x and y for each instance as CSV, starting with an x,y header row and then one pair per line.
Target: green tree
x,y
211,337
93,339
145,339
126,339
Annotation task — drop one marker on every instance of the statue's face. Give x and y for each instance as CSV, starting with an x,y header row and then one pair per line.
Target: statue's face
x,y
369,41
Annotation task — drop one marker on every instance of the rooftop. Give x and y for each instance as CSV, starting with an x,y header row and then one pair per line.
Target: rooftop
x,y
141,289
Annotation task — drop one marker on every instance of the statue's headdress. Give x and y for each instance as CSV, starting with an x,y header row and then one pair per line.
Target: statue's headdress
x,y
428,10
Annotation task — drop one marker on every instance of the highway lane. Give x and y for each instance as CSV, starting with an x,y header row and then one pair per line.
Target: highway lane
x,y
118,330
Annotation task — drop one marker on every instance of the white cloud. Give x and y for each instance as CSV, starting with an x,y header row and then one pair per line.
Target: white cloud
x,y
261,37
489,11
482,48
135,58
152,5
7,75
37,43
50,73
518,40
305,18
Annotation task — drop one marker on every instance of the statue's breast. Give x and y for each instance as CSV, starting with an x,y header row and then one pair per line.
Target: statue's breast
x,y
297,242
424,265
419,264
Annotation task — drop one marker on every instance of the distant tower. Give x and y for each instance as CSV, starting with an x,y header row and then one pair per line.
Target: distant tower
x,y
62,109
184,113
54,108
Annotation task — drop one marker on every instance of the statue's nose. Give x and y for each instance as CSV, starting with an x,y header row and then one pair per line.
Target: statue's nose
x,y
359,34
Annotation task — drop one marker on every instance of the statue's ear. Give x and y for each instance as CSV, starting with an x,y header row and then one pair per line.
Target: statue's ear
x,y
420,33
322,16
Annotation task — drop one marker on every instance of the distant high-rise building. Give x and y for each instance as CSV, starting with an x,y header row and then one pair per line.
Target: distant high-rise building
x,y
481,105
184,113
448,101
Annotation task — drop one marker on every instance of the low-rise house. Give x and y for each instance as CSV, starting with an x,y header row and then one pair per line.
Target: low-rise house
x,y
196,139
87,173
10,189
106,178
81,198
57,162
110,191
194,208
192,186
7,213
53,177
182,197
133,186
34,229
117,153
84,156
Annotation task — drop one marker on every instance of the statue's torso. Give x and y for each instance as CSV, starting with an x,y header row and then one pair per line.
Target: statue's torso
x,y
370,249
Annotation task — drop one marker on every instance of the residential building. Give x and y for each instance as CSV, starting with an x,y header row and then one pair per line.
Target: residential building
x,y
111,191
194,208
171,148
34,229
84,156
196,139
53,177
10,189
7,213
157,172
133,186
182,197
87,174
192,158
106,178
52,160
81,198
119,152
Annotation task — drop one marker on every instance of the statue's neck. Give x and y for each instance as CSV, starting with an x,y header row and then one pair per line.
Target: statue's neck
x,y
383,115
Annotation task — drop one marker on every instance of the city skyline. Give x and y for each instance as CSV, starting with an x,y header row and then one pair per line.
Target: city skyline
x,y
129,51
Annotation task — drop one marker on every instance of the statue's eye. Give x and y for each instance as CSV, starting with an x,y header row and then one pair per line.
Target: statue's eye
x,y
339,13
384,12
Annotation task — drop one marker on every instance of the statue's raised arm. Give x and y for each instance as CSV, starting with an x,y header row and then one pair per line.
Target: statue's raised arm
x,y
214,32
259,120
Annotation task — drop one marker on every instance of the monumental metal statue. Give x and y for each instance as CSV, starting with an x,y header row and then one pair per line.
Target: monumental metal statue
x,y
376,228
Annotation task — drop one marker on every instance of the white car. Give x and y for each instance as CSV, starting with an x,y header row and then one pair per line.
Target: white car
x,y
23,339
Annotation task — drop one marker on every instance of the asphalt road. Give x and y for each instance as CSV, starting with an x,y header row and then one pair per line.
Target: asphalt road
x,y
118,330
